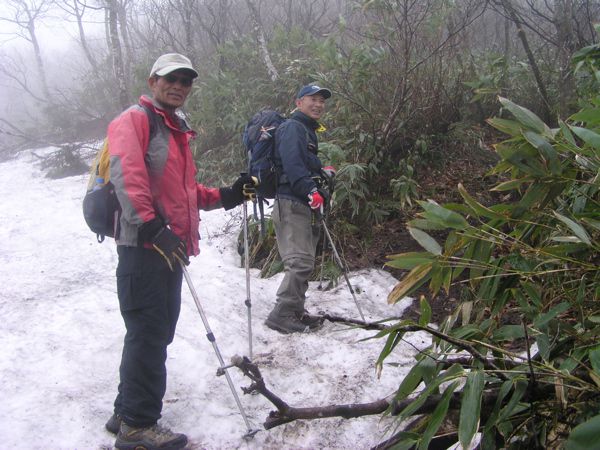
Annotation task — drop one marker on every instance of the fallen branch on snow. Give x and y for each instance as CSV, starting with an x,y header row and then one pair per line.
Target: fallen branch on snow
x,y
358,323
286,413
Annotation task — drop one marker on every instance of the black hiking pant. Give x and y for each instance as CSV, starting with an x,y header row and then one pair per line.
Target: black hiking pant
x,y
150,301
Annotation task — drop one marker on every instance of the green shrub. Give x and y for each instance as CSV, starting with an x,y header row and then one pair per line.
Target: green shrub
x,y
530,269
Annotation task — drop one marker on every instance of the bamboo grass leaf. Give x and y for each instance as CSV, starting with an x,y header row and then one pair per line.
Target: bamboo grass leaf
x,y
470,408
425,311
595,224
425,241
509,333
585,436
591,116
511,184
533,197
566,132
409,260
424,224
477,207
544,348
449,375
392,341
411,380
415,279
547,151
493,416
523,157
439,214
447,279
509,127
569,239
594,356
542,320
519,390
588,136
438,416
525,117
406,440
575,228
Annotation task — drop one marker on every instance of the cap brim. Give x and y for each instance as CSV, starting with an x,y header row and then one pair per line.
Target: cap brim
x,y
167,70
326,93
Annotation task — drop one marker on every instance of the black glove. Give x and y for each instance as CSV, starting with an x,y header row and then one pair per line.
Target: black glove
x,y
243,189
164,242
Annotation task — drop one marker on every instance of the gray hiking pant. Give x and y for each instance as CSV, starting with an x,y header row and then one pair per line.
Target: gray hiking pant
x,y
297,237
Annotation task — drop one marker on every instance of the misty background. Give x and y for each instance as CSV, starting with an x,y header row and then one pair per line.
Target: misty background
x,y
411,80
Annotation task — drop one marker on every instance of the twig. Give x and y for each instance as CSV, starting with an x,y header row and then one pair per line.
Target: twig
x,y
408,328
286,413
358,322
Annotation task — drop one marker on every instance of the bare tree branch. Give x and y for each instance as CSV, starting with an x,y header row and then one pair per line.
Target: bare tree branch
x,y
25,15
259,33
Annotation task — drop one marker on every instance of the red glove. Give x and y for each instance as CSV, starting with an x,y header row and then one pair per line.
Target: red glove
x,y
315,200
329,171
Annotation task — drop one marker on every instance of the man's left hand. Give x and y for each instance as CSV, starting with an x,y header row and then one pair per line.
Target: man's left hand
x,y
328,172
244,188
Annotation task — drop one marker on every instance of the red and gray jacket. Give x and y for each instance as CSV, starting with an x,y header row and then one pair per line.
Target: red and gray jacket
x,y
156,175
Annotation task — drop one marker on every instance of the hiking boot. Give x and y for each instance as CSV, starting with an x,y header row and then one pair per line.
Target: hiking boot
x,y
149,438
113,424
289,323
312,321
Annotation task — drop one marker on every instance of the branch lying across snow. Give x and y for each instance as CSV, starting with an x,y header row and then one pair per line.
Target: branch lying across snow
x,y
286,413
359,323
489,399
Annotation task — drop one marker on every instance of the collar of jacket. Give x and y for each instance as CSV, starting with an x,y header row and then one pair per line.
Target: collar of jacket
x,y
174,121
309,123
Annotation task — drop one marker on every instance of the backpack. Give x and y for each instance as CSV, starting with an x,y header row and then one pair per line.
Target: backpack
x,y
101,209
259,140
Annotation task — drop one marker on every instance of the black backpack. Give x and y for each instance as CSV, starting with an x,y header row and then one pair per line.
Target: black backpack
x,y
101,209
259,141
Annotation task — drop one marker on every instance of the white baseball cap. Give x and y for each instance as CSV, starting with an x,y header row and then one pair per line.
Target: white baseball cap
x,y
171,62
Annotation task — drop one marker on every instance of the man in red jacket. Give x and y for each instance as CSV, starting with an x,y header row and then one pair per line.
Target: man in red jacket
x,y
154,175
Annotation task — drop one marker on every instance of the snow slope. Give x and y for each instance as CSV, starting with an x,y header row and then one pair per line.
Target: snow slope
x,y
61,335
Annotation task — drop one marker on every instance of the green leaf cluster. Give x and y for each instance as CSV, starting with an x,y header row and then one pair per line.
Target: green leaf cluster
x,y
529,270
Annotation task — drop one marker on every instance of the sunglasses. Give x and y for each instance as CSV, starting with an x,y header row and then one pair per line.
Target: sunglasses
x,y
184,81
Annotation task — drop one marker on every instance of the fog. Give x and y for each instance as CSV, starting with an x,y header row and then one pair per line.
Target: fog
x,y
22,99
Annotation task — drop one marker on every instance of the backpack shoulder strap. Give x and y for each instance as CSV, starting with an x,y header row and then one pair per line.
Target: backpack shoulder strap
x,y
304,127
152,120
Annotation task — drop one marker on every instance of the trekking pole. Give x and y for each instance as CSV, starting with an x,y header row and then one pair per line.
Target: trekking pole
x,y
323,247
330,184
222,368
341,265
248,301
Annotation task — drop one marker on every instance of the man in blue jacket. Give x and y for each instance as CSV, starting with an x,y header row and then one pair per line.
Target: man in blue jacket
x,y
298,199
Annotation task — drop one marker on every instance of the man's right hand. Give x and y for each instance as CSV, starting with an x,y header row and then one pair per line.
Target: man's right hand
x,y
315,200
165,242
243,189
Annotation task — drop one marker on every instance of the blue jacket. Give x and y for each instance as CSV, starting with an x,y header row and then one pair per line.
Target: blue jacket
x,y
296,147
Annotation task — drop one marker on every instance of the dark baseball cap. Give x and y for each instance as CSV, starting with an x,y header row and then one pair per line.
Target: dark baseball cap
x,y
313,89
